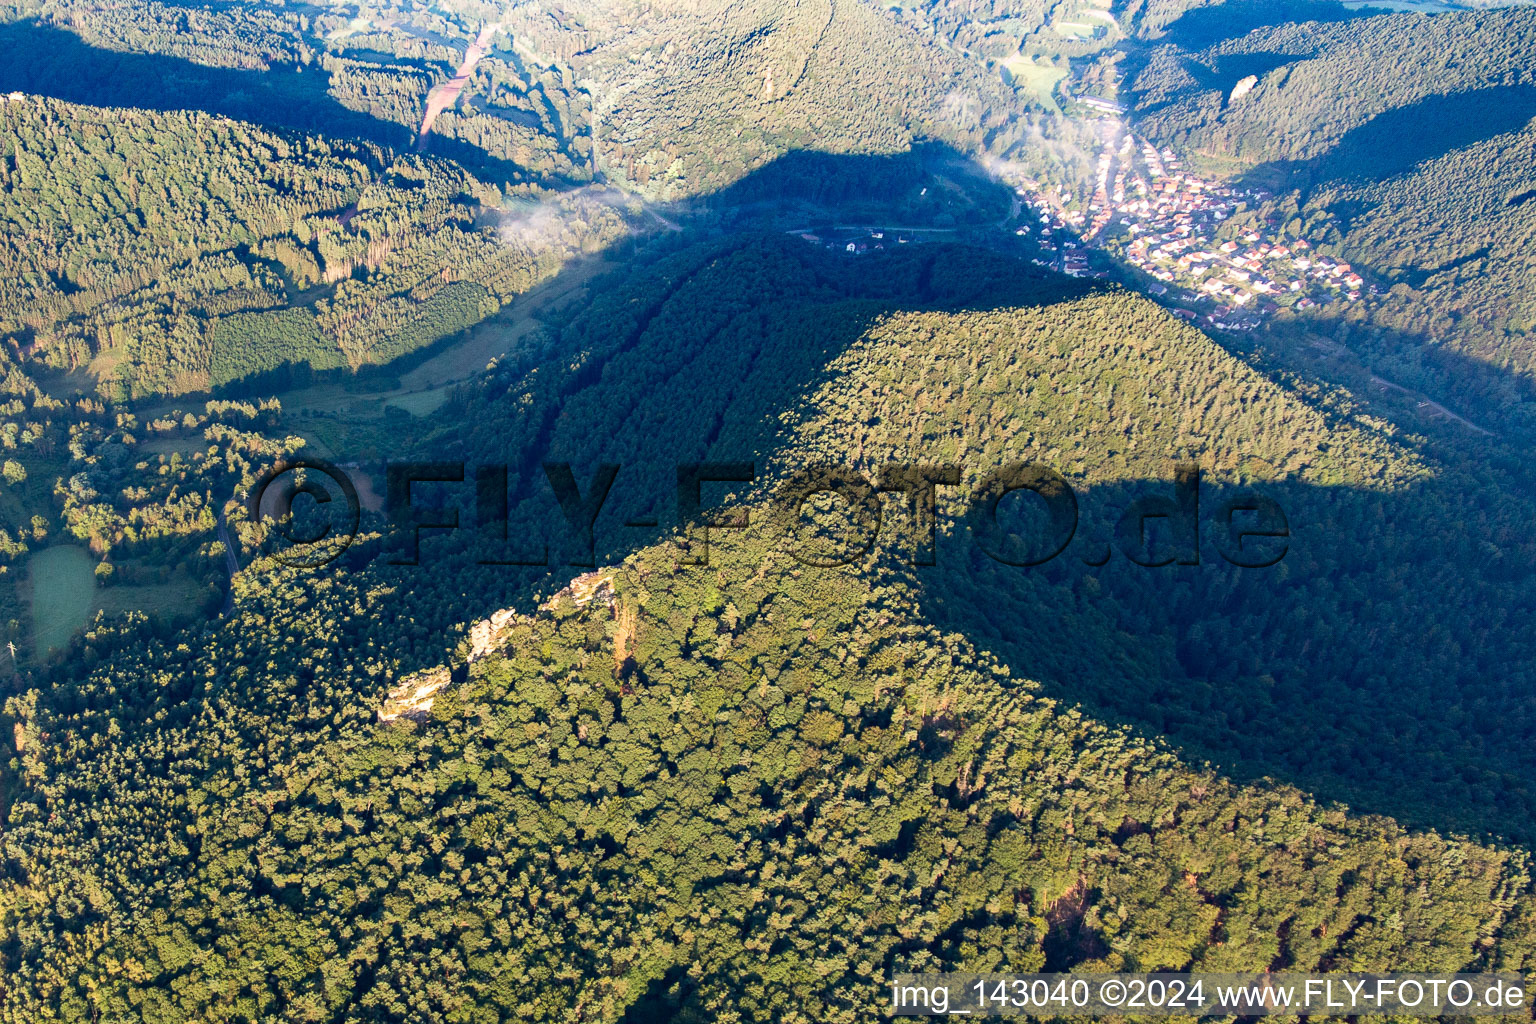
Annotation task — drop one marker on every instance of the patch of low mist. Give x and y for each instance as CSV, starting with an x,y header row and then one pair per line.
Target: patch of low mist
x,y
1054,149
571,219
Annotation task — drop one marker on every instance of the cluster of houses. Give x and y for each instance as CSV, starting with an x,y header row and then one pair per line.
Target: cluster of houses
x,y
857,241
1147,212
1165,222
1057,231
1060,249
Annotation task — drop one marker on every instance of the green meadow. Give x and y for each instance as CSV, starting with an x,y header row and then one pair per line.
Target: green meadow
x,y
64,597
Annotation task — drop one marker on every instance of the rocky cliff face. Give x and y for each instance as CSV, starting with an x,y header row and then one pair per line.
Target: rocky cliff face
x,y
412,697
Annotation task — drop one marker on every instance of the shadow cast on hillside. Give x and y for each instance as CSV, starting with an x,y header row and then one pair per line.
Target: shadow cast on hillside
x,y
1399,139
1400,369
47,61
1200,27
1384,661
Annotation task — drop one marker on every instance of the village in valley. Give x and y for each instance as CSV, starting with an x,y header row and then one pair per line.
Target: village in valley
x,y
1202,248
1166,223
1172,233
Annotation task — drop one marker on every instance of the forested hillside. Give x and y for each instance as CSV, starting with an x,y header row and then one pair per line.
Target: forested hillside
x,y
613,749
671,99
337,70
688,96
769,351
175,252
1402,140
624,806
633,805
1298,112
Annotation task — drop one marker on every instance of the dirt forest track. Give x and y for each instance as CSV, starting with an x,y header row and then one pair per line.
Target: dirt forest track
x,y
447,94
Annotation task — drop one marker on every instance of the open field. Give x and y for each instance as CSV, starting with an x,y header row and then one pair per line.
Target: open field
x,y
348,422
467,355
167,445
506,331
482,343
1039,80
1073,29
421,403
61,582
62,593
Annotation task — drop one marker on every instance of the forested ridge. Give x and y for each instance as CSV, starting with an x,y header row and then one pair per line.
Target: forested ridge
x,y
750,789
1297,111
634,804
338,70
670,99
767,351
689,97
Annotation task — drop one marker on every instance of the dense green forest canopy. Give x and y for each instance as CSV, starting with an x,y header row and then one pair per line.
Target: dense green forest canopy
x,y
337,71
750,789
732,351
688,97
670,99
619,801
167,253
648,798
784,750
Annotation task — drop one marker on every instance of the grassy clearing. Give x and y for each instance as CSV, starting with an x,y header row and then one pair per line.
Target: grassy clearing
x,y
507,331
187,446
483,342
421,403
62,592
1073,29
177,595
1039,80
61,581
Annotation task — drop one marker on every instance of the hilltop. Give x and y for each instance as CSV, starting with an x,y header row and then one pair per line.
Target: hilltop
x,y
627,734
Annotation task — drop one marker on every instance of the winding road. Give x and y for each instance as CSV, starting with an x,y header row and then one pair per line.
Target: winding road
x,y
231,565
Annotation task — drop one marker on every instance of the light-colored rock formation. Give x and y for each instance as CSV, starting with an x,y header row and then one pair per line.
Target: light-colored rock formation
x,y
413,697
484,632
584,589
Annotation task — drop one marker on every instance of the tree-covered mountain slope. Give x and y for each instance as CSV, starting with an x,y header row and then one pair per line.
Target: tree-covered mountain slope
x,y
690,96
752,788
1404,141
714,779
669,99
342,70
758,787
173,252
1299,111
1320,670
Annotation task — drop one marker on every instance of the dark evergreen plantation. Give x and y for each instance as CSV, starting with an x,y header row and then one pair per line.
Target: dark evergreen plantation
x,y
647,789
